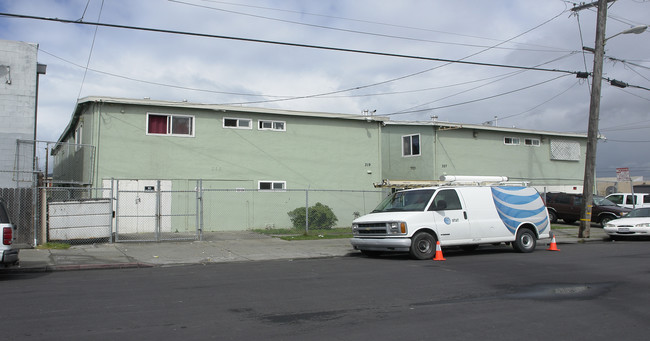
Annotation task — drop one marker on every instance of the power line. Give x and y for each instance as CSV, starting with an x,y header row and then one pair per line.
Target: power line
x,y
610,140
272,42
302,13
501,118
92,46
353,31
410,110
156,83
476,100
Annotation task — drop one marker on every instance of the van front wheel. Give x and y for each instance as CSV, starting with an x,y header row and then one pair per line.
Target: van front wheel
x,y
423,246
525,241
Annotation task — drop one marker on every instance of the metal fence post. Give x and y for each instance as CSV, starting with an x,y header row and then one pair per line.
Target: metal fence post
x,y
307,210
199,208
158,217
112,201
35,209
117,209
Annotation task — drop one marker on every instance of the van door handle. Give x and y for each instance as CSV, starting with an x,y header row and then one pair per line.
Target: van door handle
x,y
465,214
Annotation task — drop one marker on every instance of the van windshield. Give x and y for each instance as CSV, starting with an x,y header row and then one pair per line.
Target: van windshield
x,y
415,200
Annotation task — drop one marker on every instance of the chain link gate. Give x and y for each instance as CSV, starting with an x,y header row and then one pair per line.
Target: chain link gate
x,y
150,211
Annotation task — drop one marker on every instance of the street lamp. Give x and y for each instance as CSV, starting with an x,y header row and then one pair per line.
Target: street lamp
x,y
594,112
633,30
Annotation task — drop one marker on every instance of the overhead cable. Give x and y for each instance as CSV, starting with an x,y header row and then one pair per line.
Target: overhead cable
x,y
272,42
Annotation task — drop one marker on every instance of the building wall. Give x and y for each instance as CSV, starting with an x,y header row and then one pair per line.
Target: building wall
x,y
319,153
313,153
398,167
18,65
468,151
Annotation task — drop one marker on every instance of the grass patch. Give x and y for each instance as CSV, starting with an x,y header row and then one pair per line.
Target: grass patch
x,y
299,234
51,245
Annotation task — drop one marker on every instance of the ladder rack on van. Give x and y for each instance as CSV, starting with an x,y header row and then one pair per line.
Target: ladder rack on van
x,y
450,180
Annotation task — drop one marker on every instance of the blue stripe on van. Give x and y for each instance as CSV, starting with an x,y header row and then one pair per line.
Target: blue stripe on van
x,y
516,205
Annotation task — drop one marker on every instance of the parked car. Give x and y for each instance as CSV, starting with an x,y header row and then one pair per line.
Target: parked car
x,y
626,199
567,206
8,254
635,223
415,220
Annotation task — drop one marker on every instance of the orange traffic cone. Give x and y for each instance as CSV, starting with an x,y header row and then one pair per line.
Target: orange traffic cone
x,y
438,252
553,246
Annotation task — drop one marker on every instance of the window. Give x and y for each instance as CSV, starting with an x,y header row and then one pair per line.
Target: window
x,y
446,199
565,150
240,123
272,185
271,125
165,124
411,145
532,142
511,141
617,199
78,136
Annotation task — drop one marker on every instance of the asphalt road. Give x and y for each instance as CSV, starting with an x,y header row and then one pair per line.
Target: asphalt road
x,y
595,291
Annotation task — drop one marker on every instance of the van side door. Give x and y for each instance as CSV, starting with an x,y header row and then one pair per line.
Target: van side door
x,y
450,216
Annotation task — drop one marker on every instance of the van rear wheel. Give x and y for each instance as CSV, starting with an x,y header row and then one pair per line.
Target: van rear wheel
x,y
423,246
525,242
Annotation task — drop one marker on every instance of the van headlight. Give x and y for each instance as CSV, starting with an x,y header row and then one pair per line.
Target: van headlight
x,y
398,227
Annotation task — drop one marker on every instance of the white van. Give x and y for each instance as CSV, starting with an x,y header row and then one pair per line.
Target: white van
x,y
625,199
414,220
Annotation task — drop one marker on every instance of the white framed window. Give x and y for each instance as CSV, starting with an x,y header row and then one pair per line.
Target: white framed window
x,y
169,124
565,150
411,145
271,125
511,141
271,185
237,123
532,142
78,136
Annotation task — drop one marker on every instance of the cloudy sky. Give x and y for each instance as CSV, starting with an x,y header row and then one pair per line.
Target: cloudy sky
x,y
86,60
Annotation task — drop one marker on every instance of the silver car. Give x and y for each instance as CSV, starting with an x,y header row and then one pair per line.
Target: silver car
x,y
8,254
635,223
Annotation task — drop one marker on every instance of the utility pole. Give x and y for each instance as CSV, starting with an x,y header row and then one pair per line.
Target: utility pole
x,y
594,112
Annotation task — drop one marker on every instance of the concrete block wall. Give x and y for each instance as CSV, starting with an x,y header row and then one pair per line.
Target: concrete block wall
x,y
18,72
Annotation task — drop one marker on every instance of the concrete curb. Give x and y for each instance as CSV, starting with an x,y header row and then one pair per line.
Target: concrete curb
x,y
76,267
227,247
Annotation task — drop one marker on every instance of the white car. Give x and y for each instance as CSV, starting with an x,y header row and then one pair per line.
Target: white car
x,y
635,223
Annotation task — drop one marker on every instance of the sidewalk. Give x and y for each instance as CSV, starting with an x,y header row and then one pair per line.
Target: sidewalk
x,y
217,247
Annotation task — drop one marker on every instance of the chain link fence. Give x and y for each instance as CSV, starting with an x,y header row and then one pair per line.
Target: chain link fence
x,y
154,211
244,209
22,207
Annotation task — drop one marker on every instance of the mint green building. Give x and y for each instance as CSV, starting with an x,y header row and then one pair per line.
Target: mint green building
x,y
251,166
428,150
